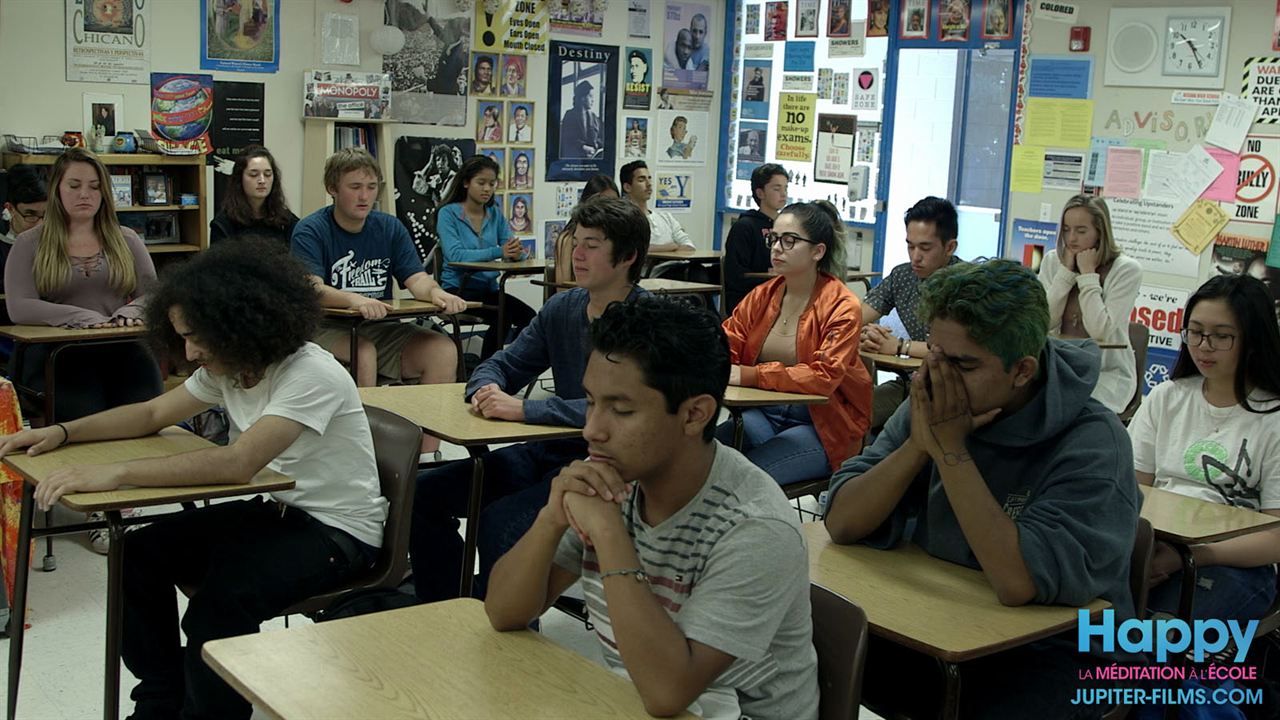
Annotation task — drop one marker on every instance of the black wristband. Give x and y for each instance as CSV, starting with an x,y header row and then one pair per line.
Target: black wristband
x,y
66,436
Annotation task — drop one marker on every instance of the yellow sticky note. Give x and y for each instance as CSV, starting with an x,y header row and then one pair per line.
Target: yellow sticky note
x,y
1199,225
1058,122
1026,172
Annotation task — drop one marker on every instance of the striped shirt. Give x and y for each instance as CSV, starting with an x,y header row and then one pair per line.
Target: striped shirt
x,y
731,570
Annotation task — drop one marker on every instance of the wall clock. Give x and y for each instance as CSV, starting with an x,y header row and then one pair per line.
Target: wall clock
x,y
1179,47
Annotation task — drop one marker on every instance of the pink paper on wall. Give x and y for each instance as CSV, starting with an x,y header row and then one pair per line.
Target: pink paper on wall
x,y
1124,173
1223,189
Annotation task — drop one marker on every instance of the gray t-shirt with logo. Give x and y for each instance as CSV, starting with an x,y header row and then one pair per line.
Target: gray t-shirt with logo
x,y
732,571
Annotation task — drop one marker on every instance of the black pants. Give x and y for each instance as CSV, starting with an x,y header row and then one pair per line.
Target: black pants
x,y
248,562
517,481
92,378
516,316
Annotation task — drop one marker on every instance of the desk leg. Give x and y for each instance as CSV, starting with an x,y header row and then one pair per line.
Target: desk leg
x,y
738,430
50,562
115,611
502,310
1186,600
18,613
951,698
355,346
473,520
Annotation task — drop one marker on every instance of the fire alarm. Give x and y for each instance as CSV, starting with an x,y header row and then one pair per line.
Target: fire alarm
x,y
1079,39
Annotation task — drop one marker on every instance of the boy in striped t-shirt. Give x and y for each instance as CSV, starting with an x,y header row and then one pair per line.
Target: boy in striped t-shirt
x,y
692,562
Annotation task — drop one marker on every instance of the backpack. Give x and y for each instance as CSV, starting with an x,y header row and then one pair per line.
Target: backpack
x,y
363,602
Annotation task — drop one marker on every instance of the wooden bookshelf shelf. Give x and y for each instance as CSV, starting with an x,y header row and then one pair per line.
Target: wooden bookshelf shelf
x,y
155,208
173,248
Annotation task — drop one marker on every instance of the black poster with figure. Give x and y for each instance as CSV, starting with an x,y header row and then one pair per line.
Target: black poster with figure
x,y
239,121
424,170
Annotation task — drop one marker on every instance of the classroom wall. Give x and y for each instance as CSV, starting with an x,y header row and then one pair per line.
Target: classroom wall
x,y
1250,35
37,100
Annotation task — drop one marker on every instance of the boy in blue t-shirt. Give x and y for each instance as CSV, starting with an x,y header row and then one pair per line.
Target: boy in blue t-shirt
x,y
353,253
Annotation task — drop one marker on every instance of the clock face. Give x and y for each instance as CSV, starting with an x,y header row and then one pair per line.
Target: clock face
x,y
1193,45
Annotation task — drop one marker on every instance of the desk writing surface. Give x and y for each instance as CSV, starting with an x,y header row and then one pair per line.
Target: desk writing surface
x,y
441,660
894,362
169,441
48,334
944,610
1188,521
676,287
742,397
523,266
684,255
399,307
441,410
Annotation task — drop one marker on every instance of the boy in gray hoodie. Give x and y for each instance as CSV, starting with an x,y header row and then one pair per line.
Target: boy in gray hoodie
x,y
1001,462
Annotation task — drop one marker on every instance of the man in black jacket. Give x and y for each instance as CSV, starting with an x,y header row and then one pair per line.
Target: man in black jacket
x,y
744,249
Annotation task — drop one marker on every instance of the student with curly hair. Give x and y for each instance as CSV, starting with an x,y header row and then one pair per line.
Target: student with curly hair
x,y
1007,466
293,409
254,202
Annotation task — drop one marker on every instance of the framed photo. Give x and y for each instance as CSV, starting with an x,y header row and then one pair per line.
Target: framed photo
x,y
161,228
914,23
636,134
135,221
838,18
155,189
807,19
520,123
775,21
520,176
877,18
953,20
484,75
520,216
514,72
996,20
498,155
103,116
489,119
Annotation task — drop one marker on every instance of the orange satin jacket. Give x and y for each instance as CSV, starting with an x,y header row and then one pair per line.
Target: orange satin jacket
x,y
827,358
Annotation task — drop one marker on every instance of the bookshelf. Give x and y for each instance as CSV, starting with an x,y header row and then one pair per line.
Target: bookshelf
x,y
184,174
323,135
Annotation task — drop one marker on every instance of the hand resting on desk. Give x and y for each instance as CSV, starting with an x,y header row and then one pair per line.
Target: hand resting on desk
x,y
491,402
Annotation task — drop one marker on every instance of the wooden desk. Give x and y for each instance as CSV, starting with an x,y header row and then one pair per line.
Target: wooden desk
x,y
946,611
1184,521
60,338
737,399
170,441
850,276
903,366
692,255
441,660
657,286
442,410
505,270
398,308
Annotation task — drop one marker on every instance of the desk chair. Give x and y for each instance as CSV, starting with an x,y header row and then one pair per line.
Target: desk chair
x,y
840,638
395,448
1138,336
434,262
1144,545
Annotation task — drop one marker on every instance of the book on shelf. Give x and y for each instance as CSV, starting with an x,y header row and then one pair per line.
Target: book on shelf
x,y
336,94
122,190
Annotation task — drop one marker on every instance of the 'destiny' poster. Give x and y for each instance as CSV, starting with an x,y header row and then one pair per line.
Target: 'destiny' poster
x,y
582,113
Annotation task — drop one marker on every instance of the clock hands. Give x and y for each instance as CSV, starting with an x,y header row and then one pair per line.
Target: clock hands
x,y
1195,54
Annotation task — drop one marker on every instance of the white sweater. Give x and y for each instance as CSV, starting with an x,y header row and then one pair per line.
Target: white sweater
x,y
1105,314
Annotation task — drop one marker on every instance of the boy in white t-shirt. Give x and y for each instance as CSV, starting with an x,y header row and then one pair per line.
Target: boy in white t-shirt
x,y
244,312
1213,432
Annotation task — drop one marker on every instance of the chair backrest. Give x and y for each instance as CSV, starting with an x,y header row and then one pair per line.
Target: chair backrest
x,y
840,638
396,442
433,263
1138,337
1144,544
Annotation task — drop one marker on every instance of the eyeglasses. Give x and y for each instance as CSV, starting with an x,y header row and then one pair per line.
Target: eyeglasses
x,y
786,240
1216,341
31,216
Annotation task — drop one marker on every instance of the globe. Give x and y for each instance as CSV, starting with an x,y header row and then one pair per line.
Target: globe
x,y
181,109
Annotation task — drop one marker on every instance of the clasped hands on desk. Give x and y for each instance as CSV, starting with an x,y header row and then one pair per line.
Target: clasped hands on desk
x,y
34,469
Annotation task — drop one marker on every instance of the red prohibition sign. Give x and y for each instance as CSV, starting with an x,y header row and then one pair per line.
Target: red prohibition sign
x,y
1266,165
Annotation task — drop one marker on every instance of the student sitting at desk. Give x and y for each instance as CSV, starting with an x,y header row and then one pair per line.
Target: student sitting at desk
x,y
354,252
1091,287
610,242
1213,432
254,201
696,576
932,226
1000,448
472,229
745,250
80,269
664,229
293,409
799,333
24,206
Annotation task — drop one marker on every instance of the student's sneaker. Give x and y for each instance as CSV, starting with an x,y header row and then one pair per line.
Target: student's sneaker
x,y
99,538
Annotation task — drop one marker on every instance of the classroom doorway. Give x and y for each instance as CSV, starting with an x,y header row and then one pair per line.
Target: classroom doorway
x,y
950,139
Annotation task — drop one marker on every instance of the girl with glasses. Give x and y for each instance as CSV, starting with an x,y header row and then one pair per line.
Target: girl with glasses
x,y
798,332
1091,288
1213,432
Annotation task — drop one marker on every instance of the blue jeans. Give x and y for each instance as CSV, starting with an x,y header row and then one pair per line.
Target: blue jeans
x,y
1224,593
781,440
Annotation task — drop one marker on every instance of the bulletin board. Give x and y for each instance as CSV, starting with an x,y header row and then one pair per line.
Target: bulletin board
x,y
807,93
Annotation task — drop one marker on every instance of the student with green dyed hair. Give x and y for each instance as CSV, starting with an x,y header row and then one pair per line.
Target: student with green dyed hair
x,y
1004,463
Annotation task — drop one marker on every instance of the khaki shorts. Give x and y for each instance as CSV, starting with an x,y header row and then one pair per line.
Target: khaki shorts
x,y
389,337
